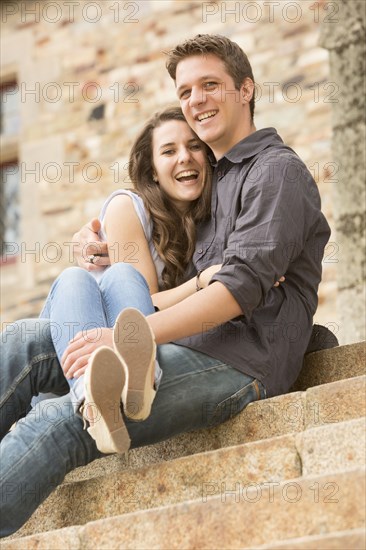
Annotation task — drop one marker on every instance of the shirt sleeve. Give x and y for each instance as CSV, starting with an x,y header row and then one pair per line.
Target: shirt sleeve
x,y
279,207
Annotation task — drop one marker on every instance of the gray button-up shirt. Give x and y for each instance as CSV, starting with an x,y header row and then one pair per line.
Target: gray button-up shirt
x,y
265,222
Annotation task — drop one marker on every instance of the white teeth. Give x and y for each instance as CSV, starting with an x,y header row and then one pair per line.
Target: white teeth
x,y
206,115
186,174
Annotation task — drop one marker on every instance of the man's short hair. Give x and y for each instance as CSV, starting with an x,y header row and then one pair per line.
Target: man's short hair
x,y
235,60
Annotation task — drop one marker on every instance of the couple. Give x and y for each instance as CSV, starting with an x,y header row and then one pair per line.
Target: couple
x,y
239,339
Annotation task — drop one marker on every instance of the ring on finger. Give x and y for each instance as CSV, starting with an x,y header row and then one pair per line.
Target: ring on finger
x,y
91,259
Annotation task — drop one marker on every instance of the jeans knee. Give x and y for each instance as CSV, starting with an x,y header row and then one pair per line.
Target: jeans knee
x,y
121,272
73,275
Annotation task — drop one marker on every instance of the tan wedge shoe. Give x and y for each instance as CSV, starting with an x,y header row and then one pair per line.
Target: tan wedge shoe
x,y
104,380
134,341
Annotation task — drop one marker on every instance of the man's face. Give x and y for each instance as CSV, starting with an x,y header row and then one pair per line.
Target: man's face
x,y
213,108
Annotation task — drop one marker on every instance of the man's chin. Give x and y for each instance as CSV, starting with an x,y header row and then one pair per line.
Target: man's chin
x,y
206,134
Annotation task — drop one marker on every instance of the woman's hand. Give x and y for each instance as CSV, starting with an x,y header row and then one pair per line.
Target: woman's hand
x,y
280,280
87,243
75,358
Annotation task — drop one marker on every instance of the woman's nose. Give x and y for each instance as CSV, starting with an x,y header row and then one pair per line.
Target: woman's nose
x,y
184,155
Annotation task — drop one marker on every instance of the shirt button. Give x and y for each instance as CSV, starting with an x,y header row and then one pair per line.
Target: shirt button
x,y
200,251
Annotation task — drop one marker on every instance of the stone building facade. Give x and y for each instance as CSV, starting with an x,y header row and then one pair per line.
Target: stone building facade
x,y
84,77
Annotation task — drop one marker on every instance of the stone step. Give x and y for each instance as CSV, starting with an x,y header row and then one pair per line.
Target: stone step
x,y
330,365
332,448
335,447
249,516
354,539
178,480
294,412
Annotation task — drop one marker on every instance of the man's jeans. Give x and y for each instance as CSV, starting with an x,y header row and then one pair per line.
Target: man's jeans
x,y
196,391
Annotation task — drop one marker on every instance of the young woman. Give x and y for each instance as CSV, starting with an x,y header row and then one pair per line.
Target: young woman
x,y
151,239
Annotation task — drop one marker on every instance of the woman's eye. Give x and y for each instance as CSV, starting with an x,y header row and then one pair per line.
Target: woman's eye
x,y
168,152
196,146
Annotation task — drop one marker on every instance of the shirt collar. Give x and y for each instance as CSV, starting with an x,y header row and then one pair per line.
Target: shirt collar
x,y
251,145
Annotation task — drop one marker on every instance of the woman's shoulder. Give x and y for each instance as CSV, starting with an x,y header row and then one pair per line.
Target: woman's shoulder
x,y
128,199
126,194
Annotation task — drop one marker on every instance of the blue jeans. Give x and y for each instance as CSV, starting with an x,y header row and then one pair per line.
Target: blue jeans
x,y
196,391
77,302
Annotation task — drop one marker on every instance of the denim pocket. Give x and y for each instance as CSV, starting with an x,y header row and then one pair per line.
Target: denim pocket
x,y
235,403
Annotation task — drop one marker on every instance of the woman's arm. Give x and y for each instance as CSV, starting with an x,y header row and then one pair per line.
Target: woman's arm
x,y
126,239
168,298
198,313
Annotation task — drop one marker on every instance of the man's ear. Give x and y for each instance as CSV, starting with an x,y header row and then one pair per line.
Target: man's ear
x,y
247,90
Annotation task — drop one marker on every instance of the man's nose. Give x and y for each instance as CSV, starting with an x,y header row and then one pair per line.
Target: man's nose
x,y
197,97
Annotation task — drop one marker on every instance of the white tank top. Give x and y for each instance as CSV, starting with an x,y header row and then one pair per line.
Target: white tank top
x,y
146,226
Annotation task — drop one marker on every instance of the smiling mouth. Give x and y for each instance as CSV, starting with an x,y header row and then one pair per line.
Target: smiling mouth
x,y
205,116
187,175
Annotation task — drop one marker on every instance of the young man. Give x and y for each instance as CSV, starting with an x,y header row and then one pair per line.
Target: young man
x,y
240,339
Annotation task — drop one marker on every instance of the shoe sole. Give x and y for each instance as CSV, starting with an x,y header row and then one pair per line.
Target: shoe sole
x,y
134,341
104,380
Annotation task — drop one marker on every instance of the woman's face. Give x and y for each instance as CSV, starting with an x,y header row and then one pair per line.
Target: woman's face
x,y
179,162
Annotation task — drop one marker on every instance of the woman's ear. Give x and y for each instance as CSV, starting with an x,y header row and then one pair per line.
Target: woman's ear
x,y
155,177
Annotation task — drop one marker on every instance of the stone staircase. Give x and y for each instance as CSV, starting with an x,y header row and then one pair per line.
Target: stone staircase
x,y
288,472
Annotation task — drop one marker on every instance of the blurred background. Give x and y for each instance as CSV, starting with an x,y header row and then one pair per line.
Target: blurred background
x,y
78,80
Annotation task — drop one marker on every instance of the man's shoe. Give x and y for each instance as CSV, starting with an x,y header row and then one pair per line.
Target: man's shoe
x,y
321,338
104,380
134,342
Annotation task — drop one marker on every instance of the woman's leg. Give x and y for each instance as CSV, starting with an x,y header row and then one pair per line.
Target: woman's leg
x,y
123,286
76,302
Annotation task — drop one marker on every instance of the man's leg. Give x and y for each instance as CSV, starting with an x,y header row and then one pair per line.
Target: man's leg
x,y
196,391
36,456
50,441
29,366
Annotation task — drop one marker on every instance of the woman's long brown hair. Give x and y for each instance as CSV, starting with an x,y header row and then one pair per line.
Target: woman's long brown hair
x,y
174,232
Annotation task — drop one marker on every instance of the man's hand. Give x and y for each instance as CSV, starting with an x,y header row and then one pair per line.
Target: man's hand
x,y
91,253
75,358
208,273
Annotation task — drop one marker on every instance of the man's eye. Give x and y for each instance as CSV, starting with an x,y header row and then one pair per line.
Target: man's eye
x,y
210,85
185,94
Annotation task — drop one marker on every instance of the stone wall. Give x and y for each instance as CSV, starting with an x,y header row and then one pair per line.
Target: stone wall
x,y
90,73
347,48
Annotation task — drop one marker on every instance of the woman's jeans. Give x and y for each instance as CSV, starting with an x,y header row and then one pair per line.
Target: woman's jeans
x,y
77,303
196,391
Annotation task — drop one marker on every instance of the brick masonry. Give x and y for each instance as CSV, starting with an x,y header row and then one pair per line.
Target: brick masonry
x,y
90,74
